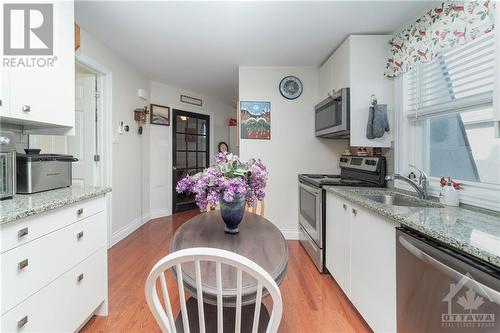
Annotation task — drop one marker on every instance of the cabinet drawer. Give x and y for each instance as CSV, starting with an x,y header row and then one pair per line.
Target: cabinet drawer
x,y
25,230
37,263
64,304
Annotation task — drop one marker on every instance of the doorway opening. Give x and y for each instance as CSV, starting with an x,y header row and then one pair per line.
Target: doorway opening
x,y
85,144
190,152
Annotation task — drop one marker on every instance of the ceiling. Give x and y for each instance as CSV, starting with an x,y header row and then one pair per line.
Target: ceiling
x,y
199,45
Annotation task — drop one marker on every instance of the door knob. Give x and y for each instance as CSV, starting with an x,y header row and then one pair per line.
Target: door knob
x,y
26,108
174,168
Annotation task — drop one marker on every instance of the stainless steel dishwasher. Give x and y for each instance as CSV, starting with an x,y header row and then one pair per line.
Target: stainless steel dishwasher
x,y
440,289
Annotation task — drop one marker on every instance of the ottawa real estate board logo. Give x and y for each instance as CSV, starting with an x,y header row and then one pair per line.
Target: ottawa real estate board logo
x,y
28,35
472,299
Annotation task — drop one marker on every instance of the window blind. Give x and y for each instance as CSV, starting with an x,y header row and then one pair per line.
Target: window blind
x,y
460,78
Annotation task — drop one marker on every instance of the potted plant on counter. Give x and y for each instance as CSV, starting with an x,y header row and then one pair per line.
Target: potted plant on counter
x,y
230,183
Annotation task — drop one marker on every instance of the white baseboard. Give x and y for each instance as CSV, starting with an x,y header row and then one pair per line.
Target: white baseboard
x,y
290,234
126,230
137,223
162,212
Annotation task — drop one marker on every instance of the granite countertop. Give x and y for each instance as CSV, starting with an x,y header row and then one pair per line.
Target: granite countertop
x,y
24,205
473,231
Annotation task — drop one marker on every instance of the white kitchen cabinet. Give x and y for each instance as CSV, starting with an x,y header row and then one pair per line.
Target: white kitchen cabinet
x,y
361,256
44,97
338,229
4,91
335,73
373,268
57,260
359,64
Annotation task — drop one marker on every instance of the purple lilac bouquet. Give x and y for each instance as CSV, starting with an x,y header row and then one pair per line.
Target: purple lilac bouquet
x,y
228,179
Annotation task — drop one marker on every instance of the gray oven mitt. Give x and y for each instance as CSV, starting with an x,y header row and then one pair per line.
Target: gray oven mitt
x,y
378,123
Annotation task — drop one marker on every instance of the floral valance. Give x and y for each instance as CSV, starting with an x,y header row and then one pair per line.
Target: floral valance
x,y
452,23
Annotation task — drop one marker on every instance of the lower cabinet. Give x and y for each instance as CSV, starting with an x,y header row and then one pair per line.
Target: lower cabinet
x,y
54,269
65,304
361,256
338,229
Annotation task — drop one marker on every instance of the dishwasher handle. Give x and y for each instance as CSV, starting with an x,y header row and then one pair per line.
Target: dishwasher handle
x,y
451,266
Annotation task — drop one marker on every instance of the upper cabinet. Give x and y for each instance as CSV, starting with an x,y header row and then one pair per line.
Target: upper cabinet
x,y
38,83
359,63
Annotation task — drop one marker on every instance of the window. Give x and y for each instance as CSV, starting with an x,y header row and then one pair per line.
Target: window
x,y
449,102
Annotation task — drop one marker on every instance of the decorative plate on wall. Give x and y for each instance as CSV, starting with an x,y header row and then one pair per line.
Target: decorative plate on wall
x,y
291,87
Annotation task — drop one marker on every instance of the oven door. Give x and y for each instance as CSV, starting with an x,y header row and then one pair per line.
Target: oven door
x,y
310,212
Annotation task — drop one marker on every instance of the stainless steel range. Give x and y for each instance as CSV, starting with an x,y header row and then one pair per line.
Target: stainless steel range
x,y
354,171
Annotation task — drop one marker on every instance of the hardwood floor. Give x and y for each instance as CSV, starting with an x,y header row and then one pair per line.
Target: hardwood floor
x,y
312,302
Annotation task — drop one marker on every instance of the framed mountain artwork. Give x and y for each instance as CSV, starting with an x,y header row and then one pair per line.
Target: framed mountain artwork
x,y
255,118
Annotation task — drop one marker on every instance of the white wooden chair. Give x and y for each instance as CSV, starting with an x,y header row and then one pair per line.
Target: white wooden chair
x,y
164,316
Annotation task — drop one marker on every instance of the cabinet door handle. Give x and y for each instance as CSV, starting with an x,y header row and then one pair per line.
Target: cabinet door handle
x,y
354,212
22,264
79,212
79,235
345,206
26,108
79,278
21,322
23,232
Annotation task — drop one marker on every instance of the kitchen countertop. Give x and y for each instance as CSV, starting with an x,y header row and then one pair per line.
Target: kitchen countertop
x,y
472,231
24,205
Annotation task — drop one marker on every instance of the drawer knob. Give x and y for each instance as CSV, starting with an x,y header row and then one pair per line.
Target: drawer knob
x,y
79,278
344,206
21,322
23,232
26,108
79,212
354,212
22,264
79,235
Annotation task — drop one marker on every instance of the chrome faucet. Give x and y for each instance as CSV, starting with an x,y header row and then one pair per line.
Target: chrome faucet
x,y
420,188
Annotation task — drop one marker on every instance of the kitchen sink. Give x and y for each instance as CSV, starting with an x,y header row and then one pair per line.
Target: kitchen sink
x,y
395,199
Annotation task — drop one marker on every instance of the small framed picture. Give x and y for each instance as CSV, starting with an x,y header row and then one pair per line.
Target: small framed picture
x,y
255,120
191,100
160,115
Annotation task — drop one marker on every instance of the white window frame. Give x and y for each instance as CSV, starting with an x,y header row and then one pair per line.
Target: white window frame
x,y
407,150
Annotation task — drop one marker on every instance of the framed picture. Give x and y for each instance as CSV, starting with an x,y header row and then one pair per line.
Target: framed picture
x,y
191,100
255,120
160,115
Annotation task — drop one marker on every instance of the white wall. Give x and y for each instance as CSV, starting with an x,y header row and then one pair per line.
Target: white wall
x,y
293,148
130,194
161,139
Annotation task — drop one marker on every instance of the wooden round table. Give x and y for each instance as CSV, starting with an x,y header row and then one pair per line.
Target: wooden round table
x,y
258,240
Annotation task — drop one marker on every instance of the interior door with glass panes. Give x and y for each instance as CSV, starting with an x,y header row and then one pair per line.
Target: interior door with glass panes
x,y
190,152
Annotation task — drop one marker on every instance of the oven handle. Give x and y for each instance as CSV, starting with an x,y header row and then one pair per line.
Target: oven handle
x,y
315,191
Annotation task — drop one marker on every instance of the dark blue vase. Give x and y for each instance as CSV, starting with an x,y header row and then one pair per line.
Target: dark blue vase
x,y
232,213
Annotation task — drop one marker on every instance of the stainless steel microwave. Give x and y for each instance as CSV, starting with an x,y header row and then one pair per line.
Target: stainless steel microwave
x,y
333,116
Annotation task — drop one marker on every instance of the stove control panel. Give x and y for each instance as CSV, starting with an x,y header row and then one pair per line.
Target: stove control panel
x,y
360,163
